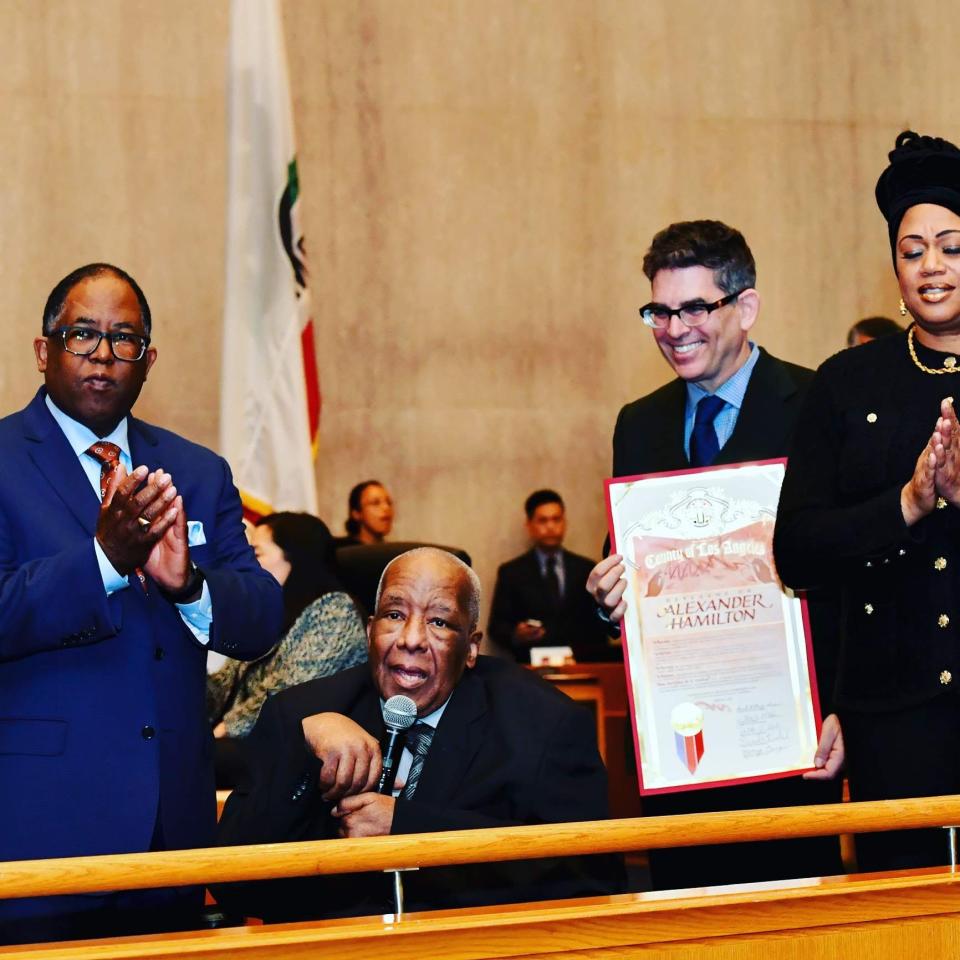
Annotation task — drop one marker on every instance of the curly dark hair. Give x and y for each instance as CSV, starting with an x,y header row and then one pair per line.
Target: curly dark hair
x,y
703,243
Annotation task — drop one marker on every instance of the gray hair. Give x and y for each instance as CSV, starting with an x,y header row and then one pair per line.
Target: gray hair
x,y
473,599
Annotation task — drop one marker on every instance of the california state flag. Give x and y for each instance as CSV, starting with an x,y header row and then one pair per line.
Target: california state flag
x,y
269,401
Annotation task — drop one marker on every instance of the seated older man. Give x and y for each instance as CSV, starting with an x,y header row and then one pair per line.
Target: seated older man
x,y
504,749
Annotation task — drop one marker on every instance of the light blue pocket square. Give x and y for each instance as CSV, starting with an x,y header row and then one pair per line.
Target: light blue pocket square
x,y
195,535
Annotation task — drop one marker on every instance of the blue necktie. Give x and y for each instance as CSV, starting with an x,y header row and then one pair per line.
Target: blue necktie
x,y
553,582
704,446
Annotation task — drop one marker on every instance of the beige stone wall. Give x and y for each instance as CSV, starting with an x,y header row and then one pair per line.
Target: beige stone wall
x,y
481,179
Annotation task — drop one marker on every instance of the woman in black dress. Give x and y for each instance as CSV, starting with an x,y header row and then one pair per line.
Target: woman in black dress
x,y
871,503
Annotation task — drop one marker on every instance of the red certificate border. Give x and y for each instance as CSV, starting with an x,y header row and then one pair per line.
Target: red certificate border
x,y
811,673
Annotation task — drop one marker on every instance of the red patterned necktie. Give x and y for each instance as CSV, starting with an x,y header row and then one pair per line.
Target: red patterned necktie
x,y
109,456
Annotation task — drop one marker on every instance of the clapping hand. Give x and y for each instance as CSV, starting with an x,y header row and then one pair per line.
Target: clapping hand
x,y
169,560
937,472
948,455
137,511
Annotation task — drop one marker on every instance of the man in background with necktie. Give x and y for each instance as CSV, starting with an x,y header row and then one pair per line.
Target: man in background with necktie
x,y
122,562
539,600
493,746
731,402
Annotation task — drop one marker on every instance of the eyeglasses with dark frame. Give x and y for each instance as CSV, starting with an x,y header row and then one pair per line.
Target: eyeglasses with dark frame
x,y
691,314
84,341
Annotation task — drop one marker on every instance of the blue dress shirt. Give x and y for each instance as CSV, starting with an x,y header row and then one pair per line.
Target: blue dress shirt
x,y
731,392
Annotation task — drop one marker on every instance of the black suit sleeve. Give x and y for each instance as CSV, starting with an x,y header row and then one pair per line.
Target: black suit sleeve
x,y
276,799
275,802
817,534
505,610
583,629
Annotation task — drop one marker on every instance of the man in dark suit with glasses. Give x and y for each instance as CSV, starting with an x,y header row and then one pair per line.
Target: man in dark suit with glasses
x,y
730,402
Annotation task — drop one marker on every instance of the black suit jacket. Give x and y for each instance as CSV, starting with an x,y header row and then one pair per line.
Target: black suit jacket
x,y
649,434
509,750
521,594
649,439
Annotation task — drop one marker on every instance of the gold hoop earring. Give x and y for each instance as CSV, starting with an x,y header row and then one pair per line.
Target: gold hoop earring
x,y
903,308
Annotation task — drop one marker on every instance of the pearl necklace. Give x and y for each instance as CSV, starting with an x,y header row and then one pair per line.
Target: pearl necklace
x,y
949,365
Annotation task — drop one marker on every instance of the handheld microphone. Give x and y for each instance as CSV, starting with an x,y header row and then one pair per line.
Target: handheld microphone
x,y
399,713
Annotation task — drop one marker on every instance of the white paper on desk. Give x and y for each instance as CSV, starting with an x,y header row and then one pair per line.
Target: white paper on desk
x,y
551,656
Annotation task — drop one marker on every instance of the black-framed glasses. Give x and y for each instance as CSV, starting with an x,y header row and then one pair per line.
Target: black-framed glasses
x,y
83,341
691,314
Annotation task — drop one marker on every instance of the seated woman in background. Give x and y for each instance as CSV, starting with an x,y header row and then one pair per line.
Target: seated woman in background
x,y
370,515
322,632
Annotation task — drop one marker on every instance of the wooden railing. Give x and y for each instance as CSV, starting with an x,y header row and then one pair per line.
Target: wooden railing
x,y
266,861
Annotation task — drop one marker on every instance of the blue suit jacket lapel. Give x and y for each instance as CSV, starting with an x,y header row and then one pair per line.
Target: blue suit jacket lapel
x,y
144,445
59,465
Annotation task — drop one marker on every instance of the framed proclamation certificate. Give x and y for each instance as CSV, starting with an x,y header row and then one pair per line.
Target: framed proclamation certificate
x,y
717,651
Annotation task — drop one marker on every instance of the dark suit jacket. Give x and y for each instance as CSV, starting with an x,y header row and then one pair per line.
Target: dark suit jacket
x,y
868,415
521,594
102,718
509,750
649,439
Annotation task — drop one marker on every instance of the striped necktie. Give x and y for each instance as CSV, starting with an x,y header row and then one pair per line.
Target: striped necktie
x,y
419,737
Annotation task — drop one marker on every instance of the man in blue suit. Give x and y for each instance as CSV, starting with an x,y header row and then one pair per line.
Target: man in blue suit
x,y
107,611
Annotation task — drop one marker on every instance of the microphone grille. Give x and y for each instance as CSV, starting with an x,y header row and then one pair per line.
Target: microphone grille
x,y
399,712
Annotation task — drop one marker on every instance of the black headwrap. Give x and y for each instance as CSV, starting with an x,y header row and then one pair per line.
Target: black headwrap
x,y
922,170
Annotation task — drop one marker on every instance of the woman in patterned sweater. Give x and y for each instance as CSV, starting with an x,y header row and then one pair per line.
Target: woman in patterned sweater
x,y
322,633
